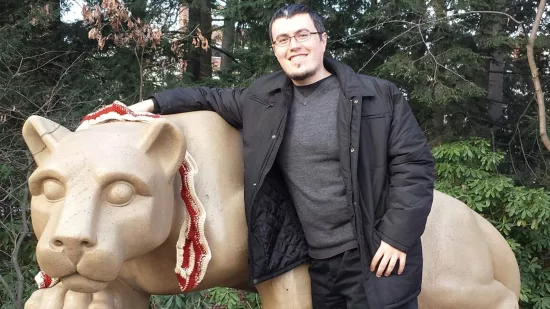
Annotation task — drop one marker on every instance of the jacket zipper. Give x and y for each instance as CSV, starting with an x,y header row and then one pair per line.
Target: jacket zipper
x,y
268,158
273,143
350,146
264,165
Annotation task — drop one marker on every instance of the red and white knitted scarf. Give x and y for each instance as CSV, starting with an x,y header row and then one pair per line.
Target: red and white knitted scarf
x,y
193,253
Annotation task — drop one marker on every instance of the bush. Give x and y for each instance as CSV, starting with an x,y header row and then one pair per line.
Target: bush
x,y
468,171
216,298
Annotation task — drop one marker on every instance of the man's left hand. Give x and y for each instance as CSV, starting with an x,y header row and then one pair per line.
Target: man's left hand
x,y
388,257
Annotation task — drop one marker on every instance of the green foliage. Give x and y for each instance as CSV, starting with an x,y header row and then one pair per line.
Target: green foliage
x,y
215,298
468,170
27,262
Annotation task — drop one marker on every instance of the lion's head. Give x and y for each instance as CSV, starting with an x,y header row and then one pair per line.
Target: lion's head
x,y
100,196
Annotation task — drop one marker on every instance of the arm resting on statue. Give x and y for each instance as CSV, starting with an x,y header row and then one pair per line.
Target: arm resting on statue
x,y
411,168
226,102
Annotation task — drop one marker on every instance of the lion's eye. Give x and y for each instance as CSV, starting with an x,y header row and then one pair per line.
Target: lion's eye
x,y
53,190
119,193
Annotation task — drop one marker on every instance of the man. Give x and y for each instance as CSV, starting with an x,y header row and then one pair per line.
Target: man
x,y
337,170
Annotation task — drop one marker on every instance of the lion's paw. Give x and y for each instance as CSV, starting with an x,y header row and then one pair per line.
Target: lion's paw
x,y
59,297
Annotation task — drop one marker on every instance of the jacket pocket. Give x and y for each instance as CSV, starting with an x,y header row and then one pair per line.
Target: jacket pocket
x,y
375,109
374,136
373,116
261,100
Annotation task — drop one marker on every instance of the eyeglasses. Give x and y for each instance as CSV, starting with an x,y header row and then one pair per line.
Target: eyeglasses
x,y
302,36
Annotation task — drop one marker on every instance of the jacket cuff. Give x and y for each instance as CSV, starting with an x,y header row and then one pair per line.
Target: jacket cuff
x,y
393,243
156,109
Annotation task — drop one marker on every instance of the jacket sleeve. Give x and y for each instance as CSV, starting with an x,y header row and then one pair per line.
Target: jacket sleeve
x,y
411,176
226,102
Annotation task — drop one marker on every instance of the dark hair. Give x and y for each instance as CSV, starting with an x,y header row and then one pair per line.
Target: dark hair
x,y
290,10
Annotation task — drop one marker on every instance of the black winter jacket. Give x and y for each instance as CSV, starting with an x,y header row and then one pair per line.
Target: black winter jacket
x,y
387,167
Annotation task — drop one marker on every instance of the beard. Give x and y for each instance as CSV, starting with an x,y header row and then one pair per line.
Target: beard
x,y
300,75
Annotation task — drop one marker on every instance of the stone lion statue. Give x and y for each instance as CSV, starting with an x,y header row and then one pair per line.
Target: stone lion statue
x,y
130,205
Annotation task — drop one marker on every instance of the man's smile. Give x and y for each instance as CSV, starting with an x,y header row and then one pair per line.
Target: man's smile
x,y
298,58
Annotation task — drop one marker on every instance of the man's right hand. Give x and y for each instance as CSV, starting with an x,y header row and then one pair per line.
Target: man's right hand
x,y
146,106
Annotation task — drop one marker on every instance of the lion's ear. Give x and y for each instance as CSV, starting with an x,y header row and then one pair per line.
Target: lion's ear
x,y
165,144
42,136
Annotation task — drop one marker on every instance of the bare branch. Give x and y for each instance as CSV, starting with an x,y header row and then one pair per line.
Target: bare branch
x,y
525,155
19,93
382,47
11,234
41,65
12,195
20,289
55,89
7,288
186,35
430,53
140,63
228,54
432,21
419,26
10,192
535,75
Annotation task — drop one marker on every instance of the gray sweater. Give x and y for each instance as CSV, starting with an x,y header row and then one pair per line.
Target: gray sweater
x,y
309,160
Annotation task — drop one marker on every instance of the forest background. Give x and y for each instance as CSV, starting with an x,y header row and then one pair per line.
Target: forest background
x,y
462,64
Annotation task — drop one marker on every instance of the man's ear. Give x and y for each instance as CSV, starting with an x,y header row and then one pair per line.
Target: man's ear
x,y
165,144
324,37
42,136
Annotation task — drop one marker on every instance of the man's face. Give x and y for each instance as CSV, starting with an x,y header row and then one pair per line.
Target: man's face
x,y
301,61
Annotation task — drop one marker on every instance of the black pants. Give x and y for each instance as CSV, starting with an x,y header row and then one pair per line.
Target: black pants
x,y
337,283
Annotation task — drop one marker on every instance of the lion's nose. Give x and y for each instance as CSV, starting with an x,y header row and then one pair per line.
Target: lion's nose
x,y
73,246
73,242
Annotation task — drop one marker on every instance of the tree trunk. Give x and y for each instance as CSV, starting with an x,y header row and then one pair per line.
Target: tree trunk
x,y
228,37
495,88
535,75
206,28
194,63
200,60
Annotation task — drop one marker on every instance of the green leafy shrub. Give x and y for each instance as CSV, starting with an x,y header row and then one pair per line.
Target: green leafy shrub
x,y
468,170
216,298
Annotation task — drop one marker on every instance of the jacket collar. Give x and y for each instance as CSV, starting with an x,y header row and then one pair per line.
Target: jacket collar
x,y
351,83
352,86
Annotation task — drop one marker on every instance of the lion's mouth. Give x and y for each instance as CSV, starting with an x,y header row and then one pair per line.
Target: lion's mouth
x,y
79,283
